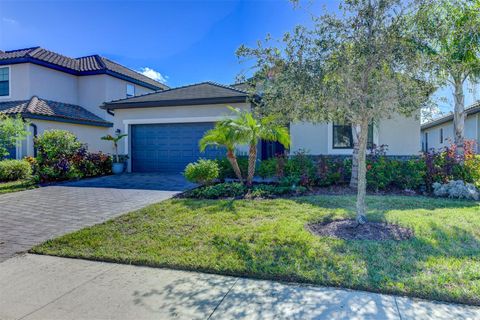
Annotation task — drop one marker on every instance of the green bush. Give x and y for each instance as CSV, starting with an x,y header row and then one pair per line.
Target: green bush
x,y
203,171
267,169
226,170
12,170
62,157
301,167
221,190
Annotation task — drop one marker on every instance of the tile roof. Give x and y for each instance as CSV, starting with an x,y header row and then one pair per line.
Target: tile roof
x,y
37,108
474,108
198,93
79,66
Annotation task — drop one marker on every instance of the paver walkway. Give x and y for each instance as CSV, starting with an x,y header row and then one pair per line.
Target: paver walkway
x,y
44,287
31,217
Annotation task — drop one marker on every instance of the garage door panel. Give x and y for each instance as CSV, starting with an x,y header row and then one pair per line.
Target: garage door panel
x,y
169,147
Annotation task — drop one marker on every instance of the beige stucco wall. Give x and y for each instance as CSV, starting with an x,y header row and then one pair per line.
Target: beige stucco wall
x,y
87,134
401,134
472,132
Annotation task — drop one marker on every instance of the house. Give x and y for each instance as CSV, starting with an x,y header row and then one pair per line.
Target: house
x,y
53,91
92,96
439,133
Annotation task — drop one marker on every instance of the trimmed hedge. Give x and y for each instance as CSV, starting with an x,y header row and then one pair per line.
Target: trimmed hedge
x,y
13,170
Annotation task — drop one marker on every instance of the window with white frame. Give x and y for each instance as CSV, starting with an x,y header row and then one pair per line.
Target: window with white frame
x,y
4,82
130,90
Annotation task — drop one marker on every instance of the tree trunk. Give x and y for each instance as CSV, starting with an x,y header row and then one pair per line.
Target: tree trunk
x,y
233,161
354,176
459,119
362,171
252,159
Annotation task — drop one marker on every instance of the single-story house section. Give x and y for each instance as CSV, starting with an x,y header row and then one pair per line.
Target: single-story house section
x,y
164,128
438,133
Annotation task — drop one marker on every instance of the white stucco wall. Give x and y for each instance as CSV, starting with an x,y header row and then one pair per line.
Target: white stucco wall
x,y
19,82
400,133
309,137
472,132
90,92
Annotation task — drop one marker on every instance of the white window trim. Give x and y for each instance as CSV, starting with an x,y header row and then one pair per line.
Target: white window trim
x,y
9,82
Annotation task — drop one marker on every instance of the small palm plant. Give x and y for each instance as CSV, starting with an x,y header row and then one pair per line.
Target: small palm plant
x,y
223,135
250,130
115,139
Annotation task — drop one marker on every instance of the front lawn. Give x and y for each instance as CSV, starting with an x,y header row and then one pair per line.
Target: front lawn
x,y
14,186
268,239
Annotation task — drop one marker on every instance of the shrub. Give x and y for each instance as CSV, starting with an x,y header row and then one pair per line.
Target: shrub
x,y
12,170
61,157
301,167
226,170
333,171
456,189
268,168
221,190
203,171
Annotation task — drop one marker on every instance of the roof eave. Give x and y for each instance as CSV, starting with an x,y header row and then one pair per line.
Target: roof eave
x,y
174,102
447,118
80,73
66,120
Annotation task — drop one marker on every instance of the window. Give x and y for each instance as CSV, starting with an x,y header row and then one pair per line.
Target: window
x,y
130,90
4,82
426,141
343,138
441,135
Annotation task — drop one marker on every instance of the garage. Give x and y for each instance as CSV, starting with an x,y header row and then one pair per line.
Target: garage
x,y
169,147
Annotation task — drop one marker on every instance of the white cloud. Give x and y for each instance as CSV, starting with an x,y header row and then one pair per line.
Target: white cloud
x,y
9,20
153,74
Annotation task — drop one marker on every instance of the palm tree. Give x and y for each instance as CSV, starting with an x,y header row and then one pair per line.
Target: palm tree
x,y
251,130
223,135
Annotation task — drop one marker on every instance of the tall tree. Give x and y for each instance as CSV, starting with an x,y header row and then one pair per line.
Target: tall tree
x,y
356,67
448,34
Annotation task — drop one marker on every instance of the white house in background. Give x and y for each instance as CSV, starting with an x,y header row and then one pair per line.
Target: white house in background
x,y
439,133
92,96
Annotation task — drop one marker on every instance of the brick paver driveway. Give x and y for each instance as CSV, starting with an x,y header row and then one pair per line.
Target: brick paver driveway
x,y
31,217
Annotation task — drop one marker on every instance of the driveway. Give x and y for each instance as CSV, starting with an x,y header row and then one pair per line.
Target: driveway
x,y
31,217
41,287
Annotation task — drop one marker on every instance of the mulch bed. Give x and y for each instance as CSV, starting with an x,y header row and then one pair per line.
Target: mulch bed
x,y
348,229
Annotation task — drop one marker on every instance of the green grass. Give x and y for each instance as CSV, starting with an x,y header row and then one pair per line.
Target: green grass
x,y
267,239
14,186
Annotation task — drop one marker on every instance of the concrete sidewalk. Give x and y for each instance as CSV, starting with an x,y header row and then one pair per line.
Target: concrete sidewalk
x,y
43,287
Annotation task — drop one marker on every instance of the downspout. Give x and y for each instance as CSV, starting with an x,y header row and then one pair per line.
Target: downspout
x,y
35,132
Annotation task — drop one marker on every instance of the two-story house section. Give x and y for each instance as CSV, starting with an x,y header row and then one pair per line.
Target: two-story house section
x,y
52,91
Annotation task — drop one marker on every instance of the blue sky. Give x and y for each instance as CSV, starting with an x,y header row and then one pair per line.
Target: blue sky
x,y
185,41
181,41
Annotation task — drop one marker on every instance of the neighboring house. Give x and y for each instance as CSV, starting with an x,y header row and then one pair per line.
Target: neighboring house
x,y
52,91
92,96
438,133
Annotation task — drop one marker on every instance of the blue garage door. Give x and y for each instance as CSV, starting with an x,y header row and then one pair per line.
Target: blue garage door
x,y
169,147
